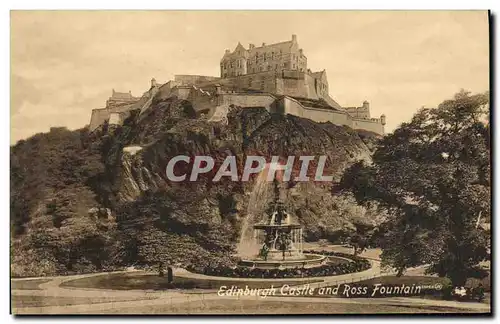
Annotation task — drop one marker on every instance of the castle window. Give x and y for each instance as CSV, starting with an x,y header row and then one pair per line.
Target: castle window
x,y
250,82
294,66
262,85
264,56
272,55
276,67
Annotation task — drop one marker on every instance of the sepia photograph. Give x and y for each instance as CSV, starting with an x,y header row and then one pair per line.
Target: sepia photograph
x,y
250,162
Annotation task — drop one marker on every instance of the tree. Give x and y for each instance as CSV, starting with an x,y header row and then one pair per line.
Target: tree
x,y
432,176
359,239
171,226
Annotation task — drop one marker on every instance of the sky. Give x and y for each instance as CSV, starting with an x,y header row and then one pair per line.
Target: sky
x,y
66,63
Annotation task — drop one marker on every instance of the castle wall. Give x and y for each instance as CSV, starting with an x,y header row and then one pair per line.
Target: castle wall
x,y
99,116
373,125
327,115
181,92
297,88
122,108
201,100
293,107
309,86
289,83
264,81
194,79
248,100
165,91
115,119
358,112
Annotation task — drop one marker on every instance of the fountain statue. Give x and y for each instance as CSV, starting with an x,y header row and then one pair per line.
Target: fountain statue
x,y
279,239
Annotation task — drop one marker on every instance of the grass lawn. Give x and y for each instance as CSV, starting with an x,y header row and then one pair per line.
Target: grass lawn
x,y
368,253
222,307
27,284
19,301
127,281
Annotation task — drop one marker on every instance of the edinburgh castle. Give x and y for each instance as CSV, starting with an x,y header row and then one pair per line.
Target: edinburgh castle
x,y
273,76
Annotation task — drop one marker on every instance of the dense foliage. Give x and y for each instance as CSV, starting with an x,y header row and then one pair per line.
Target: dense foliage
x,y
355,264
79,203
432,175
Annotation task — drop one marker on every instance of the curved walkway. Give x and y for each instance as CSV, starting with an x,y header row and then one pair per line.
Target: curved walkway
x,y
146,298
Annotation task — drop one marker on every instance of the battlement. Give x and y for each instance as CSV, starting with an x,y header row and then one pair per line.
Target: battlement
x,y
194,79
360,112
119,98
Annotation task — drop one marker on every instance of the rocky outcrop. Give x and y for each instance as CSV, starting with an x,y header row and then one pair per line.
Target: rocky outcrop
x,y
171,128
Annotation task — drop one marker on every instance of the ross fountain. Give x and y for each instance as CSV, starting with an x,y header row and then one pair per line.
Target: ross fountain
x,y
277,240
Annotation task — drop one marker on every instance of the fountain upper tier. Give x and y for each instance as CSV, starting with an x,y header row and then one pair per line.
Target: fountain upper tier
x,y
278,240
278,219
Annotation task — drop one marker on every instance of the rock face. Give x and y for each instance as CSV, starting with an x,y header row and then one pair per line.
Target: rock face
x,y
171,128
83,202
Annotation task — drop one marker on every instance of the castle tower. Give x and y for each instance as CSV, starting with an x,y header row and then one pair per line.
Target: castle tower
x,y
153,83
365,109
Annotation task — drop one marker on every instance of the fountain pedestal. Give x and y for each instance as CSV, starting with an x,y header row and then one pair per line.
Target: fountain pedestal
x,y
280,242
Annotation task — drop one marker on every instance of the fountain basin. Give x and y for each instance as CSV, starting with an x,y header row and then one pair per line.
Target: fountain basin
x,y
306,261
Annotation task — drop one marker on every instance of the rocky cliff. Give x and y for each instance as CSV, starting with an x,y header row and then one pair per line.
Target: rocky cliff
x,y
85,201
172,129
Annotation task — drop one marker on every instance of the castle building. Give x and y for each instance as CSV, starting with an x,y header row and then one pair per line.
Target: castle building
x,y
359,112
277,57
119,105
120,98
275,77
